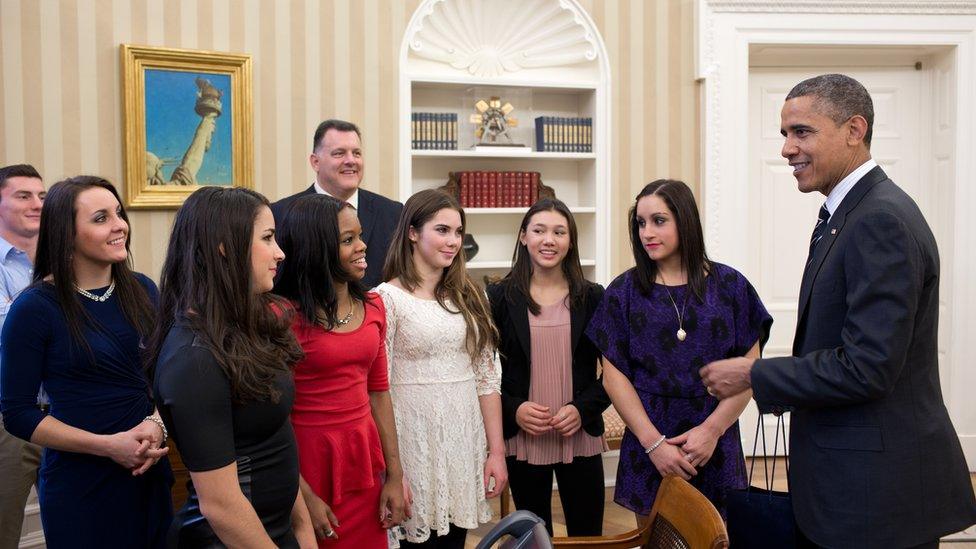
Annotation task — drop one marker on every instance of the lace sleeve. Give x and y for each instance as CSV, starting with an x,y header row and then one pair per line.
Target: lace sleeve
x,y
391,326
488,373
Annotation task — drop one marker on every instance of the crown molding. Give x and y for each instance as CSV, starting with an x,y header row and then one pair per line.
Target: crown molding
x,y
897,7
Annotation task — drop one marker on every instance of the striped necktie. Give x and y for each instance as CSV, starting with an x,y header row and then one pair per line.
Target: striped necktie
x,y
818,230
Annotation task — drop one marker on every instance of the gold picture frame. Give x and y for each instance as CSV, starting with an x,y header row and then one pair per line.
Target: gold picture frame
x,y
177,135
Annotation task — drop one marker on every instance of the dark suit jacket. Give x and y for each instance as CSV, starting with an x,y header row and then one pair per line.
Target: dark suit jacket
x,y
378,216
512,319
875,461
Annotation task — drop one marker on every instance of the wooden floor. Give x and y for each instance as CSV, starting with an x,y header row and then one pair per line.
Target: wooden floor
x,y
617,520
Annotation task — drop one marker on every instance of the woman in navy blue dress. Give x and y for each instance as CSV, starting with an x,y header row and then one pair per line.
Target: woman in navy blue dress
x,y
78,331
658,324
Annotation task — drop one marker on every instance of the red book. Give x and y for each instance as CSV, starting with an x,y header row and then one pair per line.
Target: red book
x,y
509,186
482,190
475,191
519,191
465,191
502,193
493,190
534,188
472,189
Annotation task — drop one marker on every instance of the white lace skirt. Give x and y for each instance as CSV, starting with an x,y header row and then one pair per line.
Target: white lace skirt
x,y
442,449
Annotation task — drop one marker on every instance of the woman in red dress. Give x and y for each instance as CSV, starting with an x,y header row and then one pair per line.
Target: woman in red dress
x,y
343,415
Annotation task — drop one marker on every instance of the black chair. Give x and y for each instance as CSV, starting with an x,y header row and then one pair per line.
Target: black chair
x,y
525,531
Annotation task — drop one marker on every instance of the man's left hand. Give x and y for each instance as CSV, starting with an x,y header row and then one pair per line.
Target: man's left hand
x,y
726,378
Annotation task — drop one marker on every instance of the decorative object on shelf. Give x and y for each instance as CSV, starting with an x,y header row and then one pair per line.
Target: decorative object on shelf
x,y
469,246
488,38
561,134
487,189
493,121
187,122
434,131
544,57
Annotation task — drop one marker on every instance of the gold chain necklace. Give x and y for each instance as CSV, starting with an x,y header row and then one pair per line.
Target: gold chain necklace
x,y
346,319
681,333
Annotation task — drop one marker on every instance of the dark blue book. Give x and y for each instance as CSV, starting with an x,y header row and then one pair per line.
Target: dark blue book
x,y
454,130
413,130
540,140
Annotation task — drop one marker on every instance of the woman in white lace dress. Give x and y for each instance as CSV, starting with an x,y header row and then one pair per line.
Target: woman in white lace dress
x,y
444,380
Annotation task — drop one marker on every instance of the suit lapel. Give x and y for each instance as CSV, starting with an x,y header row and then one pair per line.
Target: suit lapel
x,y
834,226
367,217
519,314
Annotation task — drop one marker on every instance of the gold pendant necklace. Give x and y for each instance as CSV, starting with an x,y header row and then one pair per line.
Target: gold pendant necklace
x,y
681,334
352,309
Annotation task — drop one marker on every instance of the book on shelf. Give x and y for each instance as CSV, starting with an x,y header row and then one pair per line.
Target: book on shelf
x,y
434,131
497,189
563,134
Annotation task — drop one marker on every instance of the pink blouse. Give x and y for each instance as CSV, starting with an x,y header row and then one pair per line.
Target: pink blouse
x,y
551,384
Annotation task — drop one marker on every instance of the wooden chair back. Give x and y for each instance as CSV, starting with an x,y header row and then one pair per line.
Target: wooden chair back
x,y
681,518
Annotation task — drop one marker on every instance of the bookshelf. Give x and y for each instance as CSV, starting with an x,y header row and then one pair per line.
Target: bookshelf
x,y
456,52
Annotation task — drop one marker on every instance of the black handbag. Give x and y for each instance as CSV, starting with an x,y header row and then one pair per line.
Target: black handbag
x,y
761,518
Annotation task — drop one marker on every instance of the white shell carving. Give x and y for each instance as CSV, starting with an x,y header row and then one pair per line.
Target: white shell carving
x,y
488,38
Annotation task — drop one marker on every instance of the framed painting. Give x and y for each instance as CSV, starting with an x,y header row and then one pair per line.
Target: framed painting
x,y
187,122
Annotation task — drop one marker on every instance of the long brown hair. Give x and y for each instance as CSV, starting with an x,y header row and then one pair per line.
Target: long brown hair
x,y
691,241
55,249
206,280
519,279
455,285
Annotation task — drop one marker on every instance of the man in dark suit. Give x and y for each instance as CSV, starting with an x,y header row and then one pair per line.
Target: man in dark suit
x,y
875,461
337,159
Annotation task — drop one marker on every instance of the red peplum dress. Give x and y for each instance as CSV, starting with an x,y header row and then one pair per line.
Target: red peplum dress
x,y
339,447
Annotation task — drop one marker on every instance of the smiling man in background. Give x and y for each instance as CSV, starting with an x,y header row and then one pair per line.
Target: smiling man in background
x,y
337,160
21,197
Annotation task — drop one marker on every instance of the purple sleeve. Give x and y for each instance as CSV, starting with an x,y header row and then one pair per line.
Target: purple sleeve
x,y
752,321
608,328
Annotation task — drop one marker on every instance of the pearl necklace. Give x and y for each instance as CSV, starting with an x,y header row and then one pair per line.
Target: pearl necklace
x,y
99,298
681,334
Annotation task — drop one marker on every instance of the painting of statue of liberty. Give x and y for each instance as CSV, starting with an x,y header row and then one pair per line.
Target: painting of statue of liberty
x,y
188,142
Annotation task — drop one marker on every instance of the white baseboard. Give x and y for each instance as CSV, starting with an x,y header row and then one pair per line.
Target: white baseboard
x,y
968,443
969,534
33,540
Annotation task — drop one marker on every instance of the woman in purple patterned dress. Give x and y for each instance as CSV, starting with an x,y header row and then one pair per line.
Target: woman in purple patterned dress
x,y
657,325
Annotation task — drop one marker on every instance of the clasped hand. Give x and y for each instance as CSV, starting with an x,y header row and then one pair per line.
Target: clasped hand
x,y
684,454
535,419
137,449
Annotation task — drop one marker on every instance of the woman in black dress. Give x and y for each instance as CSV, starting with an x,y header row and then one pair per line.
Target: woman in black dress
x,y
223,382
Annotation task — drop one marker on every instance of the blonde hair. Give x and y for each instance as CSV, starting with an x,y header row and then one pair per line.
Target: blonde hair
x,y
455,285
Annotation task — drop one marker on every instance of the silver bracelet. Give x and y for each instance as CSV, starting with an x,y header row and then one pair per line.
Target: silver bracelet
x,y
159,422
654,446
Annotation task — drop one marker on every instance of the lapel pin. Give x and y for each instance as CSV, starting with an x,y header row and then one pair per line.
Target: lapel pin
x,y
833,231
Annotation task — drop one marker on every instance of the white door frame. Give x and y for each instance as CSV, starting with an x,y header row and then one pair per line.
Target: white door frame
x,y
725,30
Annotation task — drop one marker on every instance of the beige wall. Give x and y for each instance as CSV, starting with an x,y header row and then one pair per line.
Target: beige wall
x,y
60,91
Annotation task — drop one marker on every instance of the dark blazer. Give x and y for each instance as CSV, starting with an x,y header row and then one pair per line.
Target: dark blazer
x,y
875,461
512,319
378,216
